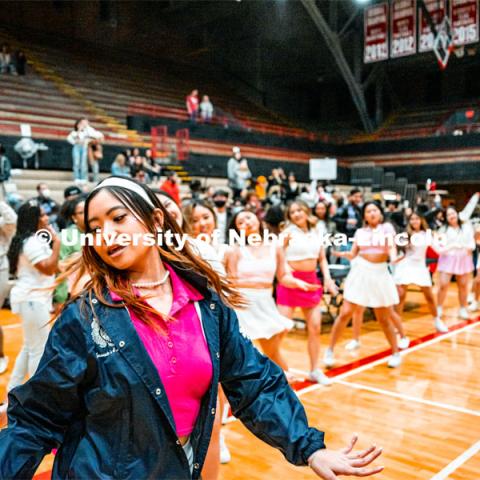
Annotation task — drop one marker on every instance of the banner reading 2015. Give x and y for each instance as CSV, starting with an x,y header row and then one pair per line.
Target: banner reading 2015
x,y
464,17
403,21
376,33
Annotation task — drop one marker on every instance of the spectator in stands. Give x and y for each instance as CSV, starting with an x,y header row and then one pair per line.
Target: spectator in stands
x,y
8,222
21,61
233,167
222,212
261,187
349,219
80,137
394,216
7,64
170,185
155,169
292,188
192,105
5,169
70,193
119,166
324,224
206,109
47,204
276,181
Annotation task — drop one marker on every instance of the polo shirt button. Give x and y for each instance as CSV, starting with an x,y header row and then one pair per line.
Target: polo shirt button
x,y
212,306
94,300
158,391
174,360
121,343
196,466
170,345
218,355
213,411
178,442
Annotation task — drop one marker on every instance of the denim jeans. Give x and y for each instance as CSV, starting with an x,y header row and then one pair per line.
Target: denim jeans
x,y
80,162
95,171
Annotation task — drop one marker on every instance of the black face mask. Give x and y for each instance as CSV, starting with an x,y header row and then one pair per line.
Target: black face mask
x,y
220,203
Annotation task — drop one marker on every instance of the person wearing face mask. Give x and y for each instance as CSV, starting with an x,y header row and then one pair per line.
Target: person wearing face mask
x,y
222,212
49,206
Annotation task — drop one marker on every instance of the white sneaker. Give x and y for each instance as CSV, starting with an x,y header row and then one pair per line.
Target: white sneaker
x,y
395,360
404,343
439,312
3,364
329,358
440,326
225,455
318,376
352,345
473,307
463,314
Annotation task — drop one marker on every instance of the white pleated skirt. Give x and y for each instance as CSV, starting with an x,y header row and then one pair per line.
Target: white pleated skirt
x,y
261,319
370,284
412,272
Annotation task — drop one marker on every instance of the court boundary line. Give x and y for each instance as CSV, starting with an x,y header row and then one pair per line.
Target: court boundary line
x,y
403,396
349,369
11,326
457,462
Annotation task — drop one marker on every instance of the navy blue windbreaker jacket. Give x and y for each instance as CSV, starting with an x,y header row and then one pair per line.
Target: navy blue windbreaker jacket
x,y
98,399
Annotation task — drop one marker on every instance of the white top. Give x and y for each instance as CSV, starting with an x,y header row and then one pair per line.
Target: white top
x,y
30,279
207,253
458,238
302,245
221,225
82,137
417,248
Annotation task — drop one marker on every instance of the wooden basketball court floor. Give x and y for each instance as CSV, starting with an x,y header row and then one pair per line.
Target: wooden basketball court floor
x,y
425,414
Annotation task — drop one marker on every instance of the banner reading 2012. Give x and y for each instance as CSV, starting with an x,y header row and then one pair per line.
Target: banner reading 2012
x,y
403,21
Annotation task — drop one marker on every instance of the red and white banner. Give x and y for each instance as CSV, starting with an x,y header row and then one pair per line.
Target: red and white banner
x,y
437,10
403,22
464,18
376,33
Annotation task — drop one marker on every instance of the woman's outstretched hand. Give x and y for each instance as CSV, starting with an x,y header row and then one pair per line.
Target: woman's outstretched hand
x,y
327,464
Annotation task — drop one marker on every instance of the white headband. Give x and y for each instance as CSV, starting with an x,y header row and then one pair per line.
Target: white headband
x,y
127,184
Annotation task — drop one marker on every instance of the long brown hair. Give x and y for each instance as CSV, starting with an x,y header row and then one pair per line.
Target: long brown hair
x,y
104,277
189,210
311,219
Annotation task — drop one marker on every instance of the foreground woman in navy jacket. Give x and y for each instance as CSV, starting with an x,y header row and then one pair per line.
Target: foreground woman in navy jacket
x,y
104,397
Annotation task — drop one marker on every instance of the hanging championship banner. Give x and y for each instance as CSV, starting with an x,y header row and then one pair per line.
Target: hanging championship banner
x,y
375,33
464,19
403,21
437,11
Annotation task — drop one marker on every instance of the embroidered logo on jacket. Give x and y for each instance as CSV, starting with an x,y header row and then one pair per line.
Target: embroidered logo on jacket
x,y
101,339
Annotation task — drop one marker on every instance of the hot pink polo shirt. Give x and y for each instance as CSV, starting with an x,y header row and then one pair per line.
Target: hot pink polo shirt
x,y
180,355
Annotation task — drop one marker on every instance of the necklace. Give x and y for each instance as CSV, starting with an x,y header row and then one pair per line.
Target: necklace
x,y
152,284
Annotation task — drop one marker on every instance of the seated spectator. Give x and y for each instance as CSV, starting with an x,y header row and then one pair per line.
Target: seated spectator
x,y
72,192
47,204
21,61
222,213
170,185
155,169
5,169
192,105
206,109
261,187
292,188
119,166
7,64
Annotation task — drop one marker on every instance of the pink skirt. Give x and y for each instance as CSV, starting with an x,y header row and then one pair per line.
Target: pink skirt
x,y
456,263
294,297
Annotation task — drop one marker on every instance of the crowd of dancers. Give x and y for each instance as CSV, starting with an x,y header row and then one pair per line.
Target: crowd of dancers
x,y
276,281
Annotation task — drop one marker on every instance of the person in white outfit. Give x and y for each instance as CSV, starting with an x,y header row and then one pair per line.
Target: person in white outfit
x,y
456,258
369,282
34,263
81,135
412,269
